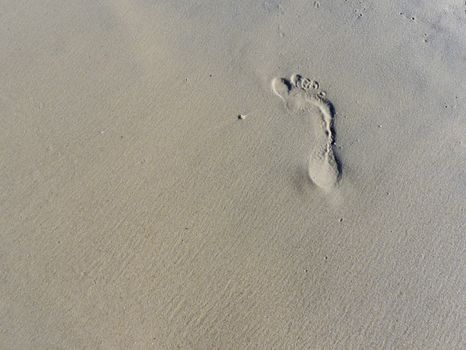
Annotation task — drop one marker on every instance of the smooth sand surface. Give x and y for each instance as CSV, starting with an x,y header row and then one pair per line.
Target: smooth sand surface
x,y
160,191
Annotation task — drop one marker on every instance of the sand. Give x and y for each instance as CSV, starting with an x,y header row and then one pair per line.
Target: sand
x,y
223,174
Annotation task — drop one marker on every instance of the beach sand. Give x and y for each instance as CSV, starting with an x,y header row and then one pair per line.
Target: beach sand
x,y
223,174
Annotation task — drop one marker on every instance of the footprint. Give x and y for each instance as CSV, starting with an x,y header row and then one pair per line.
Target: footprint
x,y
300,93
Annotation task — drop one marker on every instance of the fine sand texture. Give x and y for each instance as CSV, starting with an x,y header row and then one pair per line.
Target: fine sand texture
x,y
218,174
